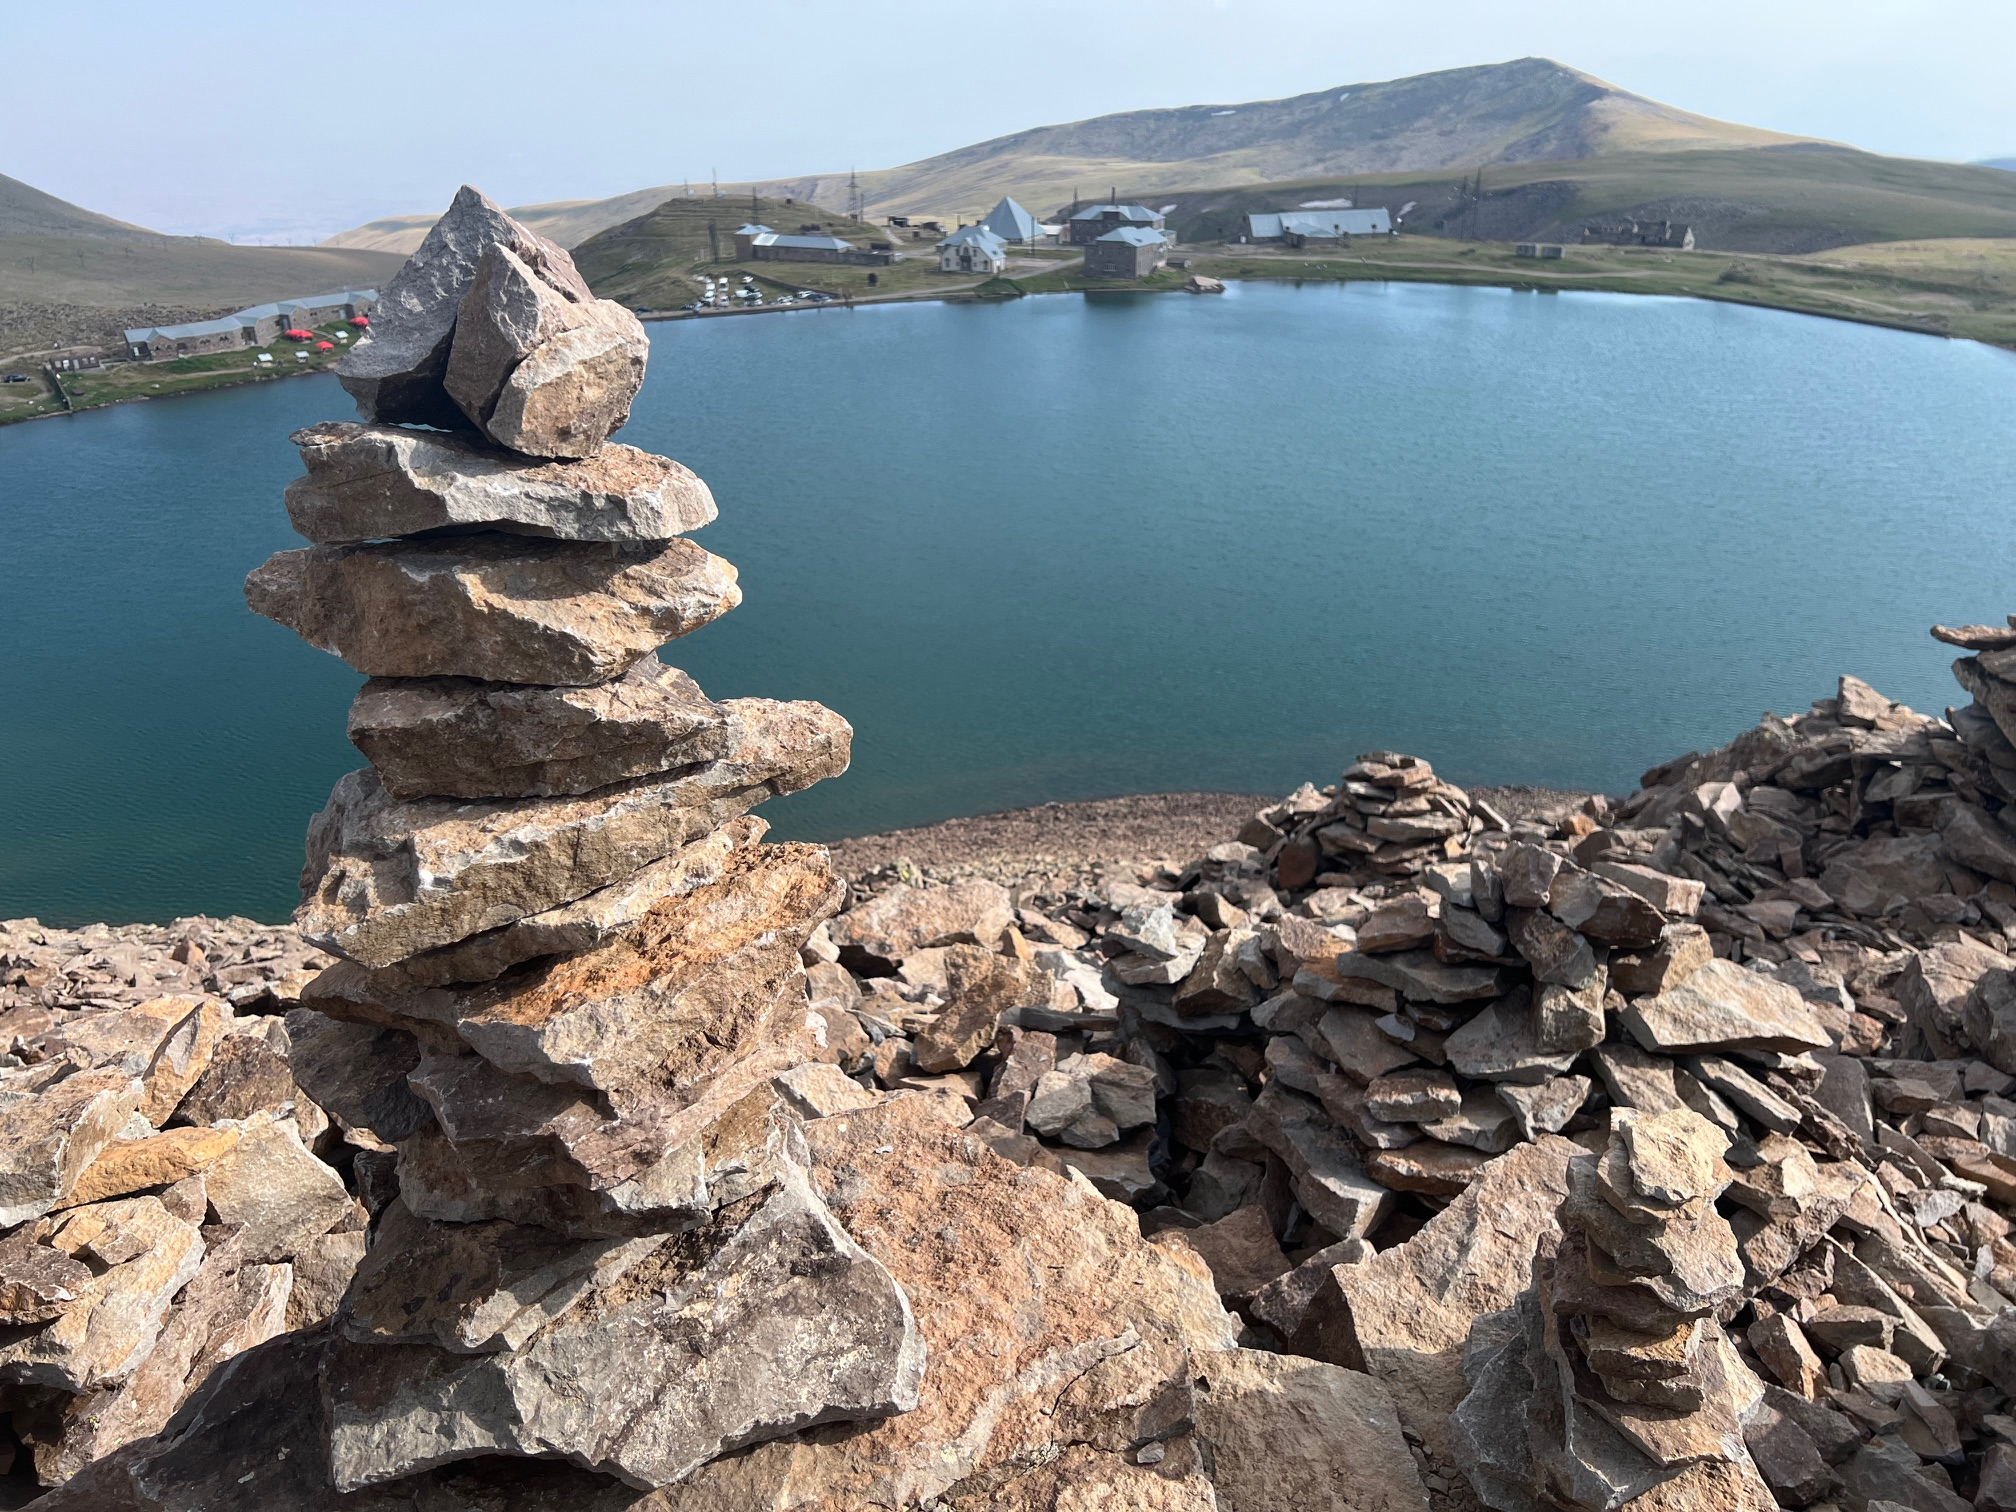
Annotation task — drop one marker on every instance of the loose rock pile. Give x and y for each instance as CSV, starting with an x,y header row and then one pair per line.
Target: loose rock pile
x,y
168,1197
629,1236
1727,1068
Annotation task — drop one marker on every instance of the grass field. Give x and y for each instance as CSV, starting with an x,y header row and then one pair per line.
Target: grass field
x,y
1761,200
1954,288
161,380
177,270
24,401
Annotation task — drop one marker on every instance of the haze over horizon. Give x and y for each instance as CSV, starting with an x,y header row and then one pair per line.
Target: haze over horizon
x,y
324,115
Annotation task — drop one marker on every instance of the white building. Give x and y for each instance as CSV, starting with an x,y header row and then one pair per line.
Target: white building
x,y
1298,226
972,249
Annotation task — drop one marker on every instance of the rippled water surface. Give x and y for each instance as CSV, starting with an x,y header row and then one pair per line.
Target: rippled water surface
x,y
1071,547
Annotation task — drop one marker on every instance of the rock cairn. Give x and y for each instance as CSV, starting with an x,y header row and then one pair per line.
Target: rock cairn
x,y
626,1233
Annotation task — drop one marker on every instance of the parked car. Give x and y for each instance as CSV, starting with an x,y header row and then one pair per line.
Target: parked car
x,y
15,378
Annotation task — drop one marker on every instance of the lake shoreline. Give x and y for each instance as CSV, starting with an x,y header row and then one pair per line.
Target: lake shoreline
x,y
1125,838
1226,266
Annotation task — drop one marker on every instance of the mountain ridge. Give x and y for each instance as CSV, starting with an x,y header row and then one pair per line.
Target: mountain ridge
x,y
1528,109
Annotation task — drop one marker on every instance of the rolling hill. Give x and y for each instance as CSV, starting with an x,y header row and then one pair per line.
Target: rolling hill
x,y
1786,199
1528,110
27,211
649,261
69,276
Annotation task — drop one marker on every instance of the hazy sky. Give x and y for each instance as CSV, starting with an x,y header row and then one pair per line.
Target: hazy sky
x,y
239,117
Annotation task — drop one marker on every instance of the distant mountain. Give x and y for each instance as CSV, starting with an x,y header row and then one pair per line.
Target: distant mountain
x,y
1524,111
2008,163
27,211
69,275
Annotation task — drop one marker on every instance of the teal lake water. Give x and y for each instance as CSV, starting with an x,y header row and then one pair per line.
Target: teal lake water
x,y
1073,547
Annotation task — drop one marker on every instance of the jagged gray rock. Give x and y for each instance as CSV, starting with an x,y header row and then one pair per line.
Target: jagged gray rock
x,y
398,375
759,1325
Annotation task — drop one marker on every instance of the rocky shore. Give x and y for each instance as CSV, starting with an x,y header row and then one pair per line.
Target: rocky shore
x,y
1387,1146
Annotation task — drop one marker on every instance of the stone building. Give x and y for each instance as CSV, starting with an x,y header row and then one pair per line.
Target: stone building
x,y
754,243
1094,221
1129,252
256,326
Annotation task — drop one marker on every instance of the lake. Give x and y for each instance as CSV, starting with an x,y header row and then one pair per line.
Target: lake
x,y
1071,547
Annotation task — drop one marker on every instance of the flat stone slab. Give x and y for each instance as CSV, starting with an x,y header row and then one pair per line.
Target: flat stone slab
x,y
740,1333
500,608
375,482
1417,974
1721,1005
586,922
455,737
386,880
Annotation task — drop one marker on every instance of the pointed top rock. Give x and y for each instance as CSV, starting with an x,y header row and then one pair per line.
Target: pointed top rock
x,y
397,374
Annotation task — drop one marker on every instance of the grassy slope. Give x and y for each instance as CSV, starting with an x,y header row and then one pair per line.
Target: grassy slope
x,y
184,270
1945,288
26,210
655,261
1771,200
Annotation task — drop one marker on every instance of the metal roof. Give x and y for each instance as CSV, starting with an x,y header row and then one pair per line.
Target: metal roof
x,y
1135,236
1126,212
1372,222
825,243
227,324
252,315
978,236
755,228
1010,221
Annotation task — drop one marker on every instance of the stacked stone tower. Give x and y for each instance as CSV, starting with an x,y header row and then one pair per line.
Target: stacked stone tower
x,y
570,969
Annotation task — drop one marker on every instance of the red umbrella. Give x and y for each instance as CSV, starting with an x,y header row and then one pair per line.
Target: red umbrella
x,y
297,334
359,321
325,346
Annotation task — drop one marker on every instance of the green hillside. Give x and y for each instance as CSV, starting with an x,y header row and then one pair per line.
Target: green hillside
x,y
62,289
1787,200
655,261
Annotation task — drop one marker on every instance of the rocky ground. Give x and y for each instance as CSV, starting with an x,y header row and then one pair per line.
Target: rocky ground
x,y
1061,845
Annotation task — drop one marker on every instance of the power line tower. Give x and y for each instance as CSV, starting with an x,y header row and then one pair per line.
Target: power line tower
x,y
854,203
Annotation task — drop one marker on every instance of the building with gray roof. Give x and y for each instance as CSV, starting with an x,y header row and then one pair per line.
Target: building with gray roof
x,y
255,326
1126,252
1011,222
1094,221
972,249
1295,227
